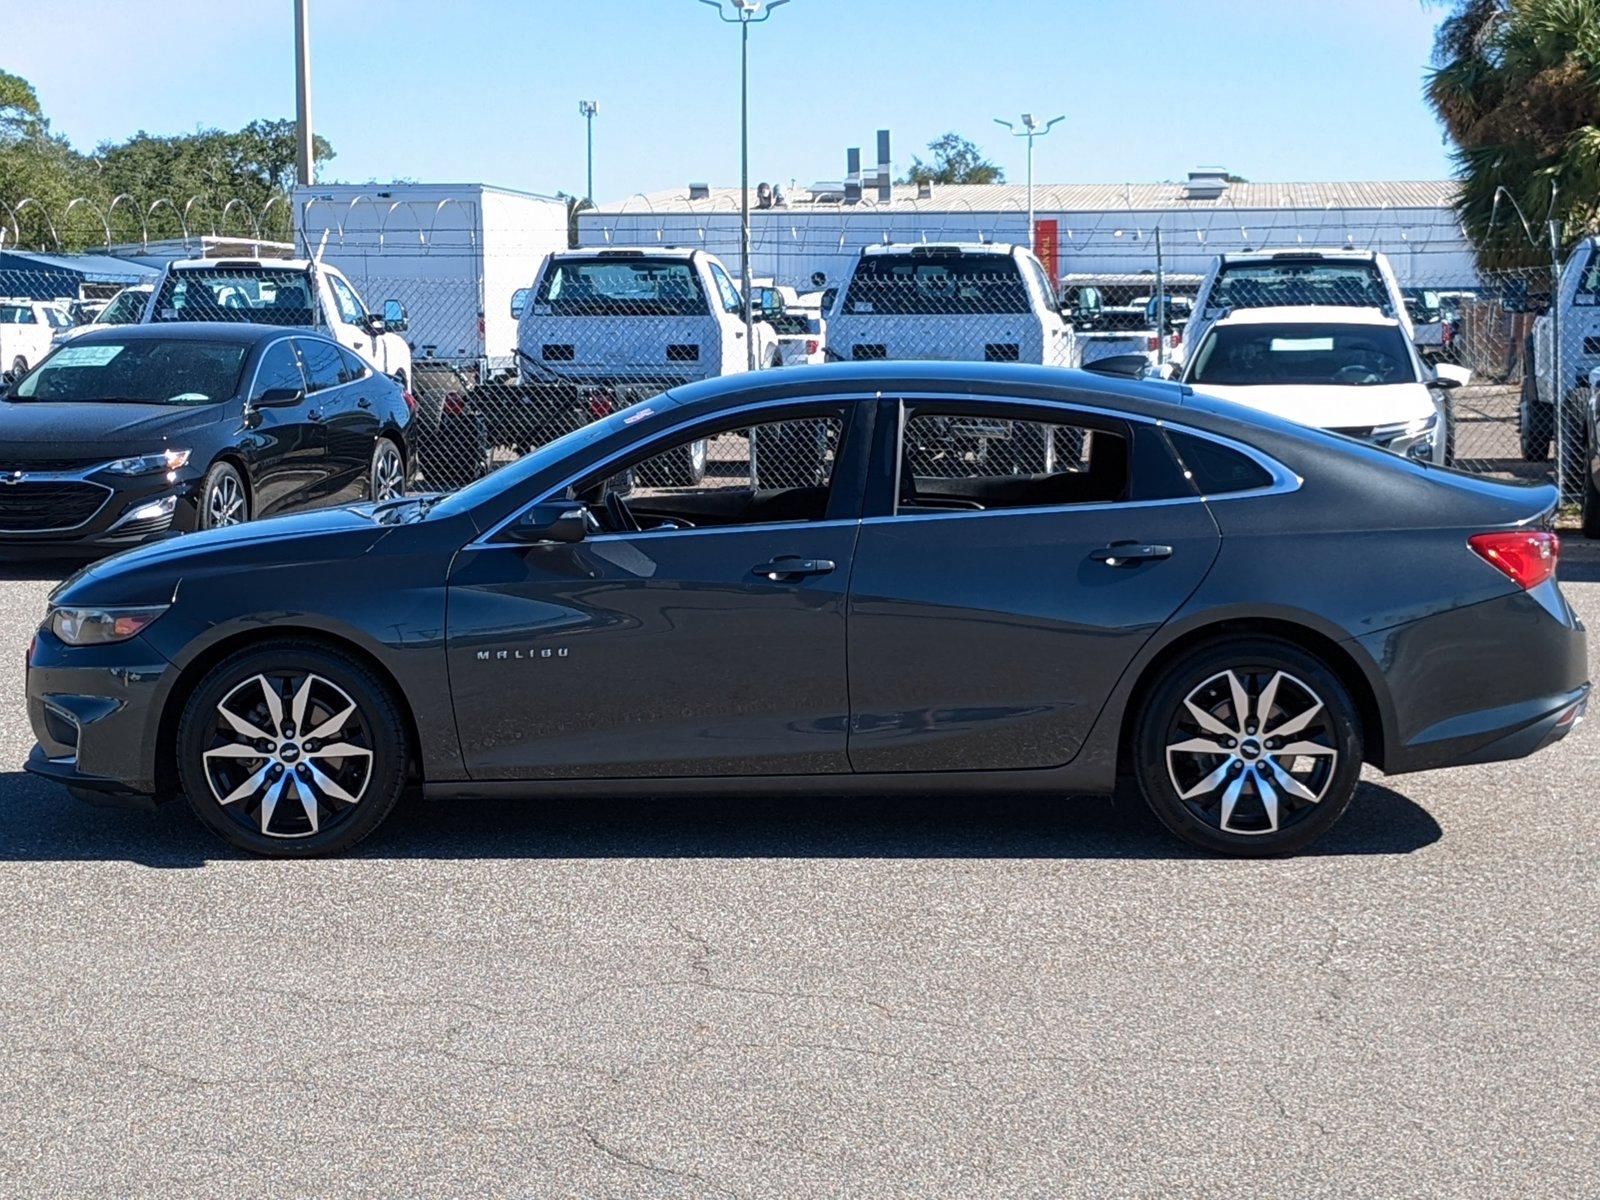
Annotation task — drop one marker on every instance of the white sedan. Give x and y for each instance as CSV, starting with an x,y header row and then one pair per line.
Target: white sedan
x,y
1348,370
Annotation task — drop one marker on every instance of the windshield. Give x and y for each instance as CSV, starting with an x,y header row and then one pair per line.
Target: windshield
x,y
620,287
1341,355
942,285
1287,284
269,295
123,310
137,372
546,456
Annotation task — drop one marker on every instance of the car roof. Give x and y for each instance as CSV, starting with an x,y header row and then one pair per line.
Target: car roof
x,y
193,331
1308,314
938,248
978,380
236,261
627,252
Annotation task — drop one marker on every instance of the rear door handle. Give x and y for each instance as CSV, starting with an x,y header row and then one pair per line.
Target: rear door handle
x,y
1119,554
363,403
790,567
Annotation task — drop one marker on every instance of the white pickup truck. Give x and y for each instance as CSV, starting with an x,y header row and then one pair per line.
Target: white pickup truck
x,y
26,330
289,292
1576,320
601,329
959,302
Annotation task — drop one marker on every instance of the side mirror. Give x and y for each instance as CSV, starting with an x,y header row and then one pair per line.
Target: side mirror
x,y
281,397
1448,376
519,302
553,521
394,317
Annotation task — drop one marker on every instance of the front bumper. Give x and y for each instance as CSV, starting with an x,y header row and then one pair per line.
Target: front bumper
x,y
96,713
134,510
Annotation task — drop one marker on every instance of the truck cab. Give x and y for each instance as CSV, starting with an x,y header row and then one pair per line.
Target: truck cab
x,y
1573,315
979,302
27,328
290,292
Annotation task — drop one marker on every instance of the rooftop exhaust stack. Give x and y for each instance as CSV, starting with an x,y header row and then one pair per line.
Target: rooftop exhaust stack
x,y
699,191
852,175
1206,183
885,177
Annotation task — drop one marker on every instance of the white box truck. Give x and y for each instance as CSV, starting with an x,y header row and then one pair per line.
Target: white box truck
x,y
453,253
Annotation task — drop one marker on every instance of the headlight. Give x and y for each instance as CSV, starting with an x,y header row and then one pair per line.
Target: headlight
x,y
99,626
148,464
1408,429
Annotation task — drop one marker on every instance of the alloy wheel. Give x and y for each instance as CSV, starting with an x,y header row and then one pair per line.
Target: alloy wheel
x,y
225,502
388,472
1251,751
289,754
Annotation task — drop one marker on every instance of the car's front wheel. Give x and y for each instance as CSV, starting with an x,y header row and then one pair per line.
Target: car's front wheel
x,y
291,749
223,499
1248,746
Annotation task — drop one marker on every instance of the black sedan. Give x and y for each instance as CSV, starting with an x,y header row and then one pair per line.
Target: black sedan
x,y
893,576
133,433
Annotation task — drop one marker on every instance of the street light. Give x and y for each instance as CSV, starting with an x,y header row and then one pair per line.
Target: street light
x,y
744,14
588,108
1030,129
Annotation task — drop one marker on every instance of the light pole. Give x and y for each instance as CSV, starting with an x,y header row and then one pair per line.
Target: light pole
x,y
745,14
305,156
588,108
1030,129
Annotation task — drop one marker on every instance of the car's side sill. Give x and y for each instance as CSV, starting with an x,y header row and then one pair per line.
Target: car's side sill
x,y
1060,780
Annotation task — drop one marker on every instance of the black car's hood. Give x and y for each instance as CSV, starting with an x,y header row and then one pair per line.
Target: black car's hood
x,y
151,574
32,430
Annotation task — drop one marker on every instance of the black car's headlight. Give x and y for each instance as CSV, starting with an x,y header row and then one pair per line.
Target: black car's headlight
x,y
148,464
100,626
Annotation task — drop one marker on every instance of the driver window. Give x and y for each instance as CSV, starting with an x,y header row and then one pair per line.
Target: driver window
x,y
731,300
351,310
774,472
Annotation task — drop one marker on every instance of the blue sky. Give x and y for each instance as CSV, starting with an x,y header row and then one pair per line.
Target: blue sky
x,y
487,90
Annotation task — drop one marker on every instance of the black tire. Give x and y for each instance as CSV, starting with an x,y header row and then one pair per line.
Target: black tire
x,y
1535,421
19,367
681,466
1165,721
383,481
224,498
375,725
1591,497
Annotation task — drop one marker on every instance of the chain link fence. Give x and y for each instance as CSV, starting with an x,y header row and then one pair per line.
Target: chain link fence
x,y
607,328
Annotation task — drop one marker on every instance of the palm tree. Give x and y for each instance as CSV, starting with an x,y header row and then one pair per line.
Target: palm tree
x,y
1516,84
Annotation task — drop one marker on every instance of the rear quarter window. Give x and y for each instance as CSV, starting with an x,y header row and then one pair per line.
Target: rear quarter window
x,y
1215,469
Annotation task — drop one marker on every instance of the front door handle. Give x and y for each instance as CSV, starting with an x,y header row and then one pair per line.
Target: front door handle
x,y
1119,554
363,403
790,567
314,415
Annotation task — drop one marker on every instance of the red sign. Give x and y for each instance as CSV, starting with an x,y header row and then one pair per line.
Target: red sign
x,y
1047,243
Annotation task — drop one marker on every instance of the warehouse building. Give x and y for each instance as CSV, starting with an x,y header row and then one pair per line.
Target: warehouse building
x,y
799,235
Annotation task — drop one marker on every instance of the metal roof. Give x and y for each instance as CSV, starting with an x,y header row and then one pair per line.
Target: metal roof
x,y
1078,197
91,268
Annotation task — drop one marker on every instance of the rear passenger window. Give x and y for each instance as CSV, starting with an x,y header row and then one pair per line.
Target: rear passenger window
x,y
958,461
1215,469
324,367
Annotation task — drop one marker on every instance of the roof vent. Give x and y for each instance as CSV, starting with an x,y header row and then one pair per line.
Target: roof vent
x,y
925,189
699,191
1206,183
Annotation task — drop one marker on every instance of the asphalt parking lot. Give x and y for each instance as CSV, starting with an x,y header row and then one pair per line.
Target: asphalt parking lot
x,y
806,998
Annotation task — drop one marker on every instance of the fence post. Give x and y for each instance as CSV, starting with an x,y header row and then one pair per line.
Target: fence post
x,y
1557,381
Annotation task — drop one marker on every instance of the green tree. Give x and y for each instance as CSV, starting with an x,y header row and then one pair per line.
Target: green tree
x,y
955,160
1516,84
20,115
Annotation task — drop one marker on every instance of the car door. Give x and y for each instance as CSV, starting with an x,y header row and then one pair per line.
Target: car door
x,y
352,422
709,642
285,439
1002,586
352,314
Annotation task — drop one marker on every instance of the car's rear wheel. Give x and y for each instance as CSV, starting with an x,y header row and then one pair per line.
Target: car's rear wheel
x,y
1249,746
223,498
291,749
386,479
1536,424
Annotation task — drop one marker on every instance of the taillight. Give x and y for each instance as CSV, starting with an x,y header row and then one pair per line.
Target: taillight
x,y
1152,344
1527,557
813,345
454,405
601,404
411,401
1177,337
